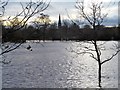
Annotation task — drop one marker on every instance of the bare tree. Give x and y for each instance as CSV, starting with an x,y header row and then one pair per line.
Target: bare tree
x,y
41,23
3,4
2,11
95,16
29,10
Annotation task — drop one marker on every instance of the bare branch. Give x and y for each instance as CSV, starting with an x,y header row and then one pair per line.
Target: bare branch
x,y
28,11
2,6
12,48
111,57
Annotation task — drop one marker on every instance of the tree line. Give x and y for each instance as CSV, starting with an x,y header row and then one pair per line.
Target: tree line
x,y
65,32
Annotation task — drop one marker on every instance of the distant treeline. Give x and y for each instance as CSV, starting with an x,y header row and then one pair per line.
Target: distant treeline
x,y
52,32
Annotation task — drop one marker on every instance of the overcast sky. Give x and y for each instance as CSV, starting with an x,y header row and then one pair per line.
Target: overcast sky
x,y
65,7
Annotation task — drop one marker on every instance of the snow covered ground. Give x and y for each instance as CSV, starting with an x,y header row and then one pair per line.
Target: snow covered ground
x,y
50,65
0,70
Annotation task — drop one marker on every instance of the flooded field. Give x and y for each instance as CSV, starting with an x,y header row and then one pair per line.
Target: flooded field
x,y
52,65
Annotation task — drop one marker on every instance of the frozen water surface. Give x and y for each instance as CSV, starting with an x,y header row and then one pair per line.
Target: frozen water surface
x,y
50,65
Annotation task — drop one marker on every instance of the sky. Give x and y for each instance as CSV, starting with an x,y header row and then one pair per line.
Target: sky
x,y
65,8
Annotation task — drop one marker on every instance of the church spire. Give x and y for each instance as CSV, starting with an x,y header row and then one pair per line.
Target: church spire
x,y
59,22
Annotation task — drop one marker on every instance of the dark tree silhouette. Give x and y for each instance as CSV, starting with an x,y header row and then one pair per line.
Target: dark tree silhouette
x,y
95,17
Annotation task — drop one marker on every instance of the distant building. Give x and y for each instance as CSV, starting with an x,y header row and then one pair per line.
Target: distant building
x,y
59,22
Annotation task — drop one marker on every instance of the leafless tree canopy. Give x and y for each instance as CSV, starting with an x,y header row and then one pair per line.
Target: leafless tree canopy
x,y
95,16
93,13
2,7
29,10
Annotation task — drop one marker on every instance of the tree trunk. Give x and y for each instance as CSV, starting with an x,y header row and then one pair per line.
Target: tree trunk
x,y
99,74
44,33
99,63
